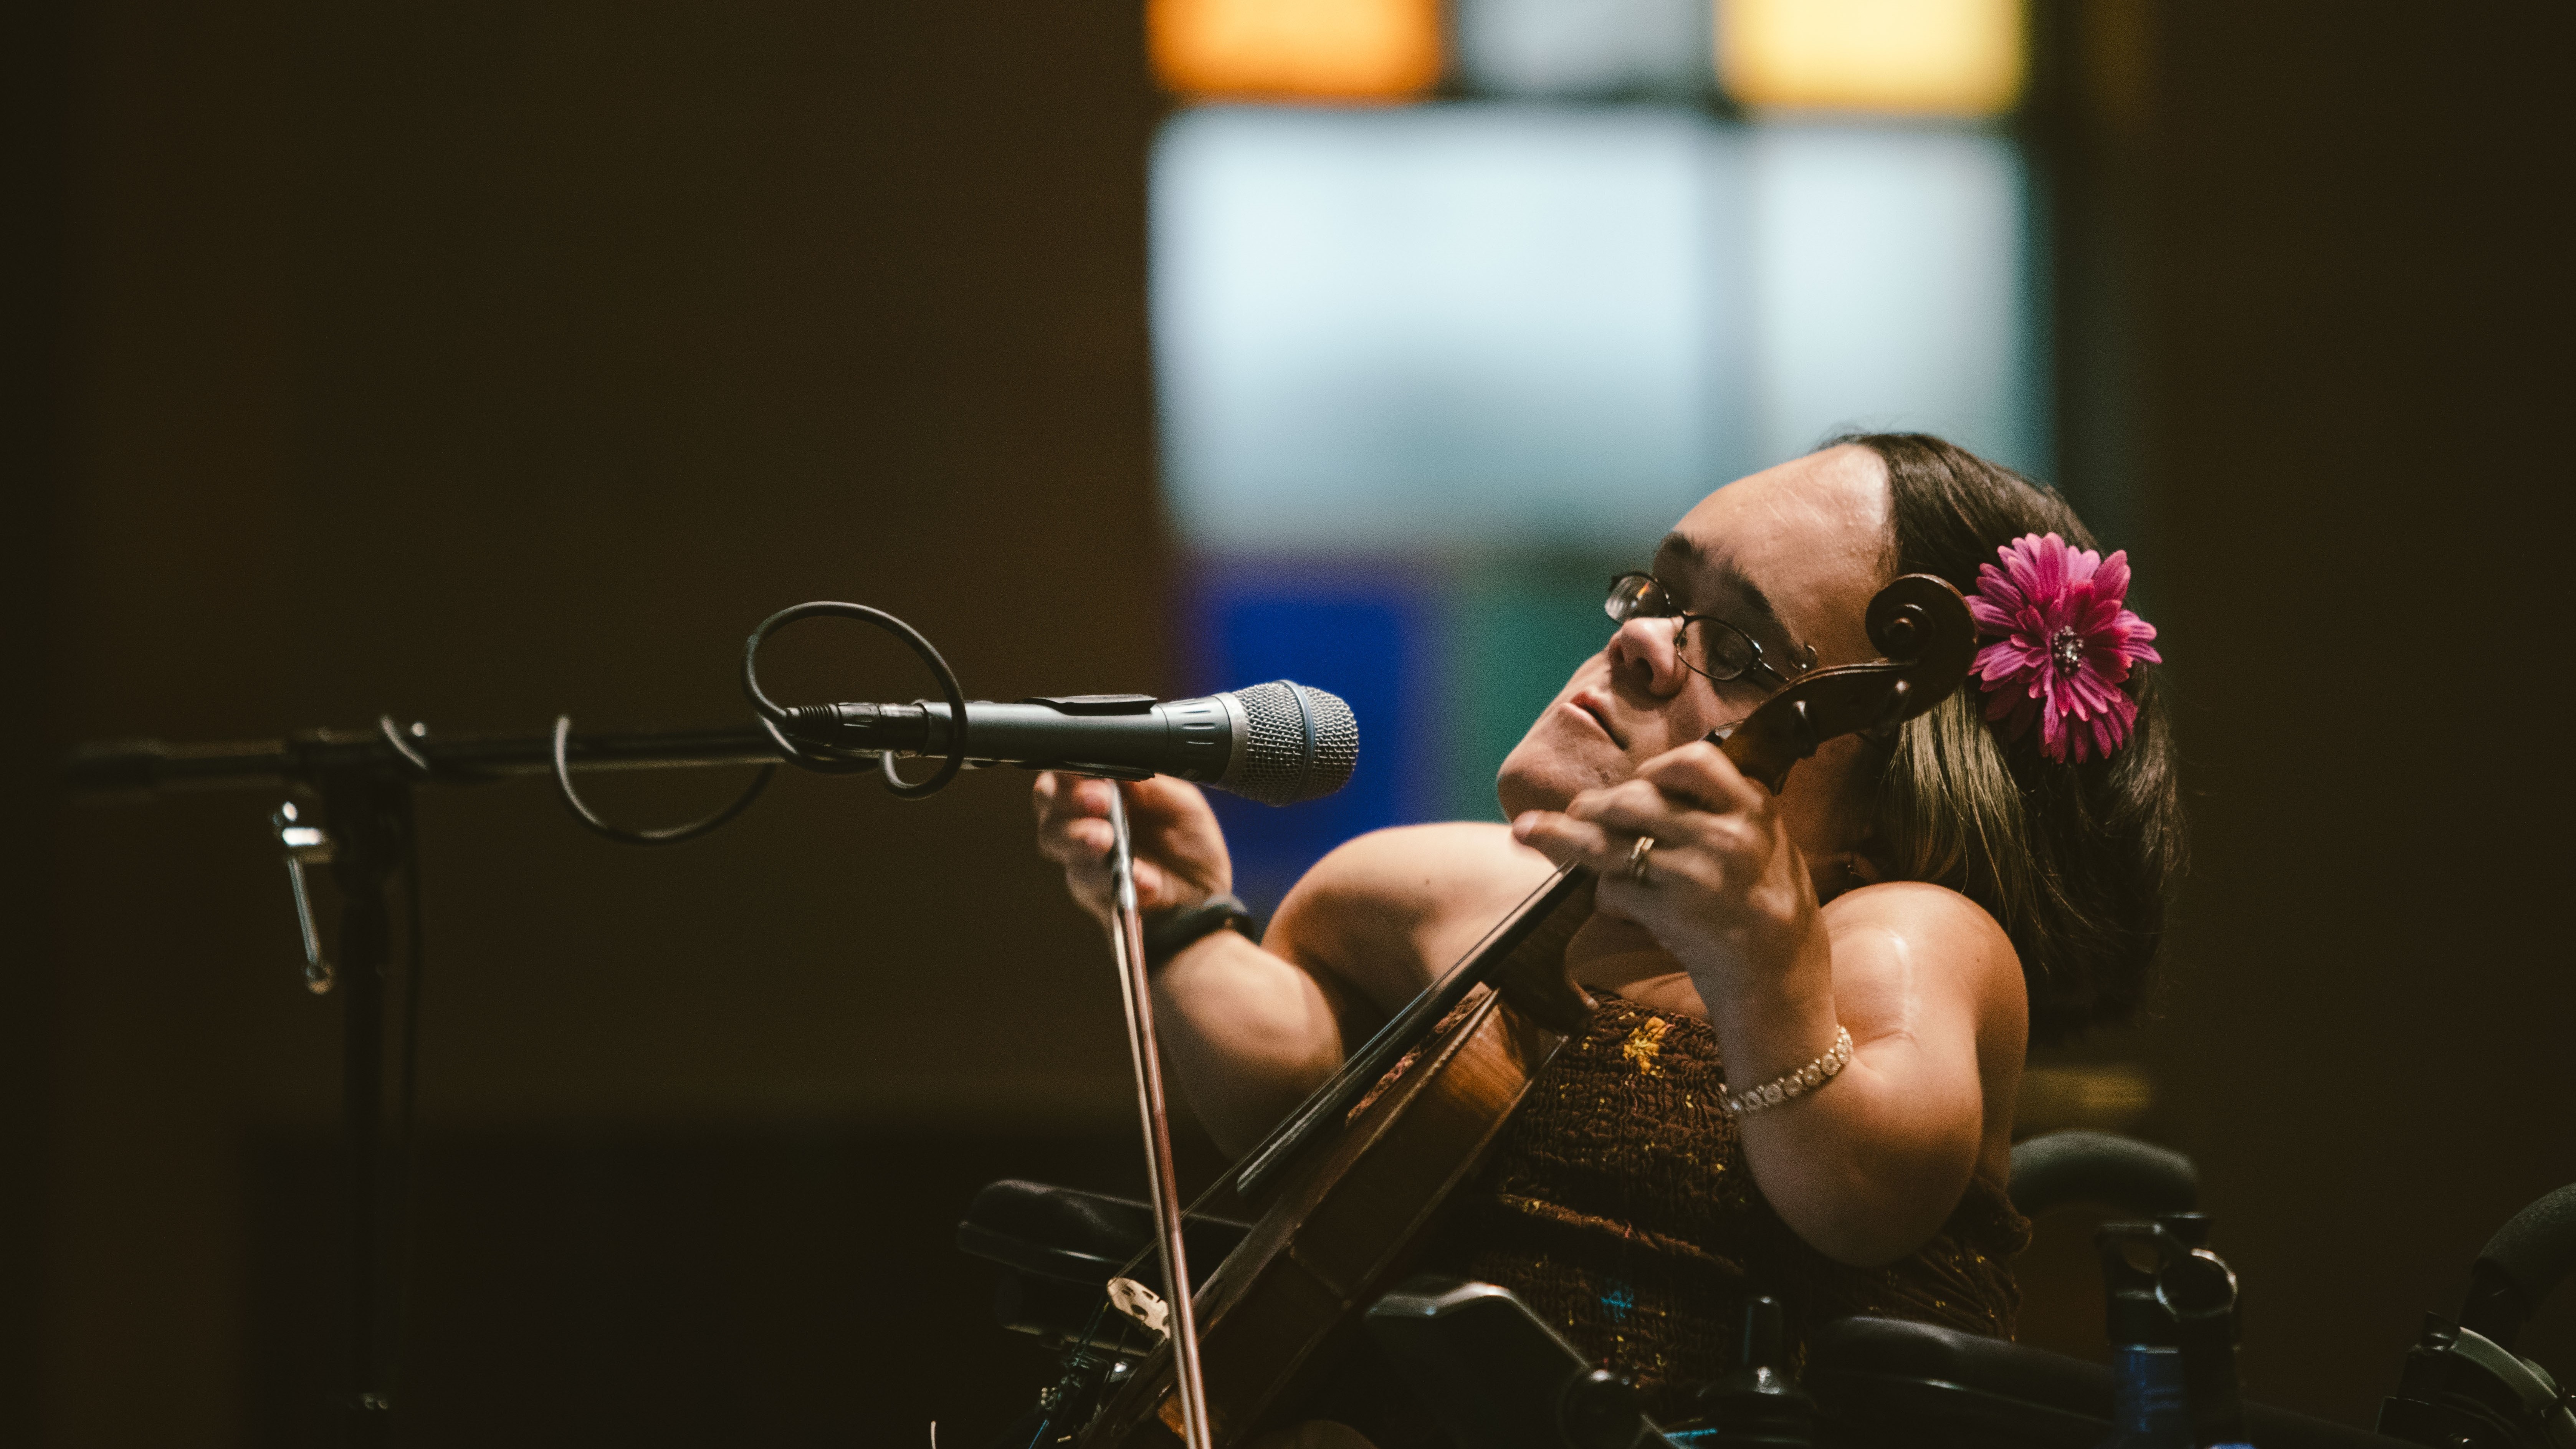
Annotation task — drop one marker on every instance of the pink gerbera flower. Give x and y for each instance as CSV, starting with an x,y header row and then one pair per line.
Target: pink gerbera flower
x,y
2063,641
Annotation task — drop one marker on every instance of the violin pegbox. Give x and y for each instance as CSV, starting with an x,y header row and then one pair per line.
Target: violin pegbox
x,y
1922,629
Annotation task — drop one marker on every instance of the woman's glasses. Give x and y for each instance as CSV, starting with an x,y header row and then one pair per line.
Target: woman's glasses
x,y
1723,652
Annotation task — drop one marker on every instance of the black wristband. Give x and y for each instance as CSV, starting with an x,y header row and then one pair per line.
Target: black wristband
x,y
1173,932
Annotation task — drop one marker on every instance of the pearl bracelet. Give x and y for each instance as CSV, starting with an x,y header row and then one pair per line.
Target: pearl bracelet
x,y
1794,1084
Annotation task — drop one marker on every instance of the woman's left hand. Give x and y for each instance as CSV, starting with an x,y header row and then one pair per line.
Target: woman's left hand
x,y
1723,888
1866,1168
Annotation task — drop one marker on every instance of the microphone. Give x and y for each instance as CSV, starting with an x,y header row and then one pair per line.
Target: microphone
x,y
1276,743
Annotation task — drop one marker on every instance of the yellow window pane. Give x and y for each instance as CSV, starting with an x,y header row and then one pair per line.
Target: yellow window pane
x,y
1920,57
1340,49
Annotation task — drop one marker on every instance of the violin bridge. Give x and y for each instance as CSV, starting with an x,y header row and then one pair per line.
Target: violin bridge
x,y
1142,1304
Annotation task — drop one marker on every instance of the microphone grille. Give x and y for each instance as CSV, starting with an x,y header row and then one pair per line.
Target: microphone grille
x,y
1302,744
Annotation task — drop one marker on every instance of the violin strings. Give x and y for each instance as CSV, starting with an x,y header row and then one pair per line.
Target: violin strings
x,y
1381,1052
1465,958
1416,1006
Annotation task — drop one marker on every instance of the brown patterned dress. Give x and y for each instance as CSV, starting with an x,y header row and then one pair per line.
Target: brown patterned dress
x,y
1619,1206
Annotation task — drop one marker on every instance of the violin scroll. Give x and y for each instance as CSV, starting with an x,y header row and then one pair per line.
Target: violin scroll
x,y
1920,620
1921,626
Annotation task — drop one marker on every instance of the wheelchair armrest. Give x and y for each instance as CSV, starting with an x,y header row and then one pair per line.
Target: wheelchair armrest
x,y
1884,1381
2122,1173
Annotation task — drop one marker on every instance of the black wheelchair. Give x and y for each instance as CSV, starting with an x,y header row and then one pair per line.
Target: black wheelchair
x,y
1497,1377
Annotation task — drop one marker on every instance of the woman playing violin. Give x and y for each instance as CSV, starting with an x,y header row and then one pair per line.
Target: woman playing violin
x,y
1876,945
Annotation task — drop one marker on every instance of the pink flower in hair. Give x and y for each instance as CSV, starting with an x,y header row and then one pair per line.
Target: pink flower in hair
x,y
2063,641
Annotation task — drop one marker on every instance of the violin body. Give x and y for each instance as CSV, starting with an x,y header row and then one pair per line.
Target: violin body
x,y
1272,1317
1341,1219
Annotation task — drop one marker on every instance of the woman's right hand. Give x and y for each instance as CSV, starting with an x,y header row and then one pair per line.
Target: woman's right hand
x,y
1180,851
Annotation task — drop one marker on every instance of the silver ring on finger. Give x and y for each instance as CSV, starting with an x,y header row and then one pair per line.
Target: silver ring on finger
x,y
1637,858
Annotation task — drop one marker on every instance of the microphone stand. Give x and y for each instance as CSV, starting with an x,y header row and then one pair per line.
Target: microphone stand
x,y
1127,942
139,769
360,826
364,783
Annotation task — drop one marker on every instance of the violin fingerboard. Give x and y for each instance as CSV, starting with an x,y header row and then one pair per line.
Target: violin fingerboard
x,y
1532,978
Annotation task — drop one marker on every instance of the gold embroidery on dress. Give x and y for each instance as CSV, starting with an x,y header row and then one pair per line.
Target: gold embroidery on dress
x,y
1644,1044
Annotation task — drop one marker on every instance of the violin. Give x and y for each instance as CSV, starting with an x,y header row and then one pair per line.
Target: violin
x,y
1350,1182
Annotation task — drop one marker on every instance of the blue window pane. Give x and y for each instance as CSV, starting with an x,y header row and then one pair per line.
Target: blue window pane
x,y
1360,636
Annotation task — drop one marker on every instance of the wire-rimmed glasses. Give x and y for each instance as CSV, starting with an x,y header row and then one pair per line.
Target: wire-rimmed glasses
x,y
1725,652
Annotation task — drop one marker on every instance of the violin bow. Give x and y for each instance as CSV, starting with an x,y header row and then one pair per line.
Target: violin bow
x,y
1127,937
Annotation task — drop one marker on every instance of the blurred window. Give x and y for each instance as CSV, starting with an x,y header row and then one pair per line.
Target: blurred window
x,y
1428,374
1329,49
1911,57
1893,288
1584,48
1437,325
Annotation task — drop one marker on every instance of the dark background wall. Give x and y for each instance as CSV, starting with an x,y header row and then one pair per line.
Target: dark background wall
x,y
2352,306
475,363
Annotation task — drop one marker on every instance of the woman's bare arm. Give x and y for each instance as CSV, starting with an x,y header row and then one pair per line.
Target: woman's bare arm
x,y
1866,1167
1248,1030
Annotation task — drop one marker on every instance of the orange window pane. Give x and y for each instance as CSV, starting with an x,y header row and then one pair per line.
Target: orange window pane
x,y
1334,49
1917,57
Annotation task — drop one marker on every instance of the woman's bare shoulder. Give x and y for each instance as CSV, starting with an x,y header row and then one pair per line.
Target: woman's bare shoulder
x,y
1921,936
1918,907
1425,864
1421,885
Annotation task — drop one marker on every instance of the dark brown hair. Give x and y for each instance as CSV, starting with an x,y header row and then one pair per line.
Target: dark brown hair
x,y
2075,860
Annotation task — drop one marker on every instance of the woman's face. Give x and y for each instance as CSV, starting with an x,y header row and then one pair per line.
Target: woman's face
x,y
1791,556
